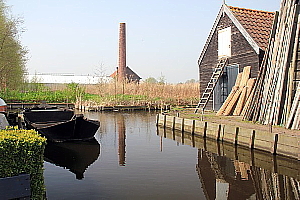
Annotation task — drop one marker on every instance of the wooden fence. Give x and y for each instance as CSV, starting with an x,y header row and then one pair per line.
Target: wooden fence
x,y
274,143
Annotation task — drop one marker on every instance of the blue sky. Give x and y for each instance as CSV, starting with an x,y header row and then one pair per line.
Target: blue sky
x,y
164,37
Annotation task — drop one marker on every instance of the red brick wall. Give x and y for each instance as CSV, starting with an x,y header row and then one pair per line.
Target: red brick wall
x,y
122,52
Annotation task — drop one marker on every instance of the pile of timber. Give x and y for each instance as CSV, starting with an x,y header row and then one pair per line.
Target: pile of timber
x,y
274,98
239,95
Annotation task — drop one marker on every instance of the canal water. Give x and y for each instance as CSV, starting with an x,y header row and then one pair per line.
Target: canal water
x,y
131,158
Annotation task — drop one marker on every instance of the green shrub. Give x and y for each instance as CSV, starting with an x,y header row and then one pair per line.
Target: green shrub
x,y
43,93
21,151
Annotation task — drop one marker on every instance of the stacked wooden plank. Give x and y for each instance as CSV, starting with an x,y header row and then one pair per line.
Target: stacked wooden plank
x,y
239,95
294,117
274,92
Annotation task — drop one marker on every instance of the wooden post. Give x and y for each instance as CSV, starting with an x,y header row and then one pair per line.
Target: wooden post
x,y
205,129
252,140
19,123
218,132
193,128
274,147
173,124
236,135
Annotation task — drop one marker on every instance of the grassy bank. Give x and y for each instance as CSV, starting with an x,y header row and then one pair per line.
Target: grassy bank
x,y
106,93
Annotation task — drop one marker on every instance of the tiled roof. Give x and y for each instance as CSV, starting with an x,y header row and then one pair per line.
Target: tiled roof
x,y
256,22
131,75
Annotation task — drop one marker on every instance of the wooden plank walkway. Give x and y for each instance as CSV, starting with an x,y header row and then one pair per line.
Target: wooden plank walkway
x,y
22,106
16,187
122,108
274,140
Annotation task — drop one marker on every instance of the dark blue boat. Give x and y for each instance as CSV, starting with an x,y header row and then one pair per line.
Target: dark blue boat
x,y
58,124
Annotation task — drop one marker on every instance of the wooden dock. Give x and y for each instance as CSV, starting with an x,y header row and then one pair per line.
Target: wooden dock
x,y
272,142
122,108
95,108
22,106
16,187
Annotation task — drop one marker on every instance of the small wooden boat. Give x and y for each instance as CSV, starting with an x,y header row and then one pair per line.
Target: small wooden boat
x,y
59,125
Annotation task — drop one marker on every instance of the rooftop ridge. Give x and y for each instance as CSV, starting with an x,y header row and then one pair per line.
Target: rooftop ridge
x,y
234,7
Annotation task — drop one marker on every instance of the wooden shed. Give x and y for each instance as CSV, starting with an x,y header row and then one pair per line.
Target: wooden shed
x,y
241,35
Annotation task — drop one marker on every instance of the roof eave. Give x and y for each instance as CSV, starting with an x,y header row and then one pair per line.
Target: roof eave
x,y
211,34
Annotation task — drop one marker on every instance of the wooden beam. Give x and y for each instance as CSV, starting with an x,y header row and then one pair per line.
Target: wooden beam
x,y
231,106
227,101
241,102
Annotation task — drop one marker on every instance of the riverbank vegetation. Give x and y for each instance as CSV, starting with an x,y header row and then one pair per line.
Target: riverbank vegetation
x,y
107,94
128,93
36,92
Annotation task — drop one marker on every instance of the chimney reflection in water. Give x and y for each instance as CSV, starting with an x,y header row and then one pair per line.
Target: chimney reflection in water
x,y
122,137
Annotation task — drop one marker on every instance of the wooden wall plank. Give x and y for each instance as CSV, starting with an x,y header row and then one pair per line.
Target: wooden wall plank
x,y
15,187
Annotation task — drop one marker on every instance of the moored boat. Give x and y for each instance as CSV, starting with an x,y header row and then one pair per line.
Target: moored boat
x,y
58,124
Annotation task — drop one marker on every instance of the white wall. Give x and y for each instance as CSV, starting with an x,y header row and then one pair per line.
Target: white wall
x,y
66,78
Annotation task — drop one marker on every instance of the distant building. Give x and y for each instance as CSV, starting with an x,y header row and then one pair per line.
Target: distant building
x,y
130,75
66,78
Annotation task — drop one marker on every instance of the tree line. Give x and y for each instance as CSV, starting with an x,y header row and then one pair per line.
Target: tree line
x,y
12,53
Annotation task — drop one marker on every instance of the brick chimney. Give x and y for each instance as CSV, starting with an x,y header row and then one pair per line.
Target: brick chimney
x,y
122,53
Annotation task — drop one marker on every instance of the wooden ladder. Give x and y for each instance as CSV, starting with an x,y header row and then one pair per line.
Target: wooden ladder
x,y
218,71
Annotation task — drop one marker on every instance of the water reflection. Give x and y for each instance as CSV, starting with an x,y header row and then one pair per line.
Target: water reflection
x,y
76,156
122,137
224,178
230,172
139,162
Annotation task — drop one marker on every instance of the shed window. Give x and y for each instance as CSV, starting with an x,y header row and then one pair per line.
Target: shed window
x,y
224,42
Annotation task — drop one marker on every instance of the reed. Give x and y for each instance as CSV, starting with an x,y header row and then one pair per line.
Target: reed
x,y
109,94
179,94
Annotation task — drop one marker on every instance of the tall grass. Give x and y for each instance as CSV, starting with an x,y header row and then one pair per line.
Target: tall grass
x,y
108,94
179,94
